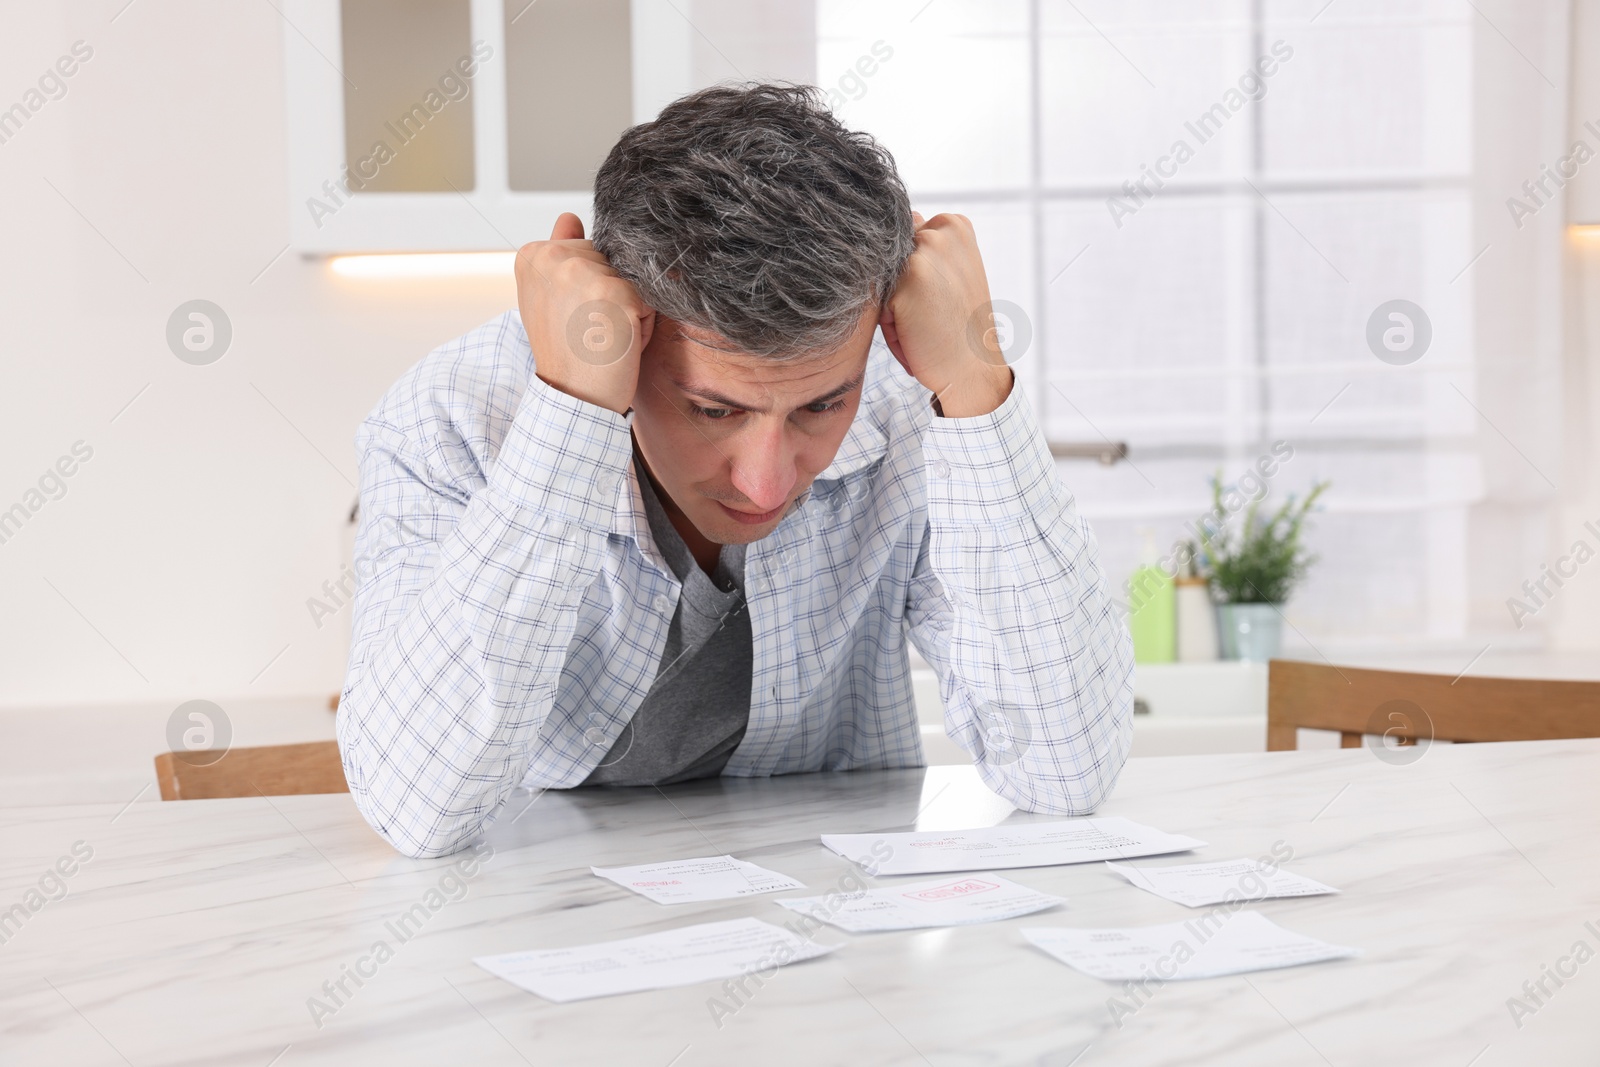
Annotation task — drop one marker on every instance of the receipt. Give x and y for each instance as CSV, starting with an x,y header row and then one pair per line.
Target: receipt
x,y
1196,885
1203,947
945,902
702,878
1027,844
701,953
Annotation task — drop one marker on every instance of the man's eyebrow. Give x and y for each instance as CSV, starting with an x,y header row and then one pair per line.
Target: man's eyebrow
x,y
715,397
834,394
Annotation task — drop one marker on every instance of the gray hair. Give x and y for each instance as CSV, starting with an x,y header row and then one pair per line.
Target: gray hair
x,y
751,212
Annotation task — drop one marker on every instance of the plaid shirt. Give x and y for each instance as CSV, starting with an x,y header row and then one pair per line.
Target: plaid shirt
x,y
512,605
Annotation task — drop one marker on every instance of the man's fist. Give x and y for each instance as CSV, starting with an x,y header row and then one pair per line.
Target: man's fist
x,y
586,324
927,320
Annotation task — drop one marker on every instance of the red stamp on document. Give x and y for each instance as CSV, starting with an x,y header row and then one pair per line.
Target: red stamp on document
x,y
966,887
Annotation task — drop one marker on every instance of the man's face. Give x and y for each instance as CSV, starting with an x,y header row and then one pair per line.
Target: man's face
x,y
735,439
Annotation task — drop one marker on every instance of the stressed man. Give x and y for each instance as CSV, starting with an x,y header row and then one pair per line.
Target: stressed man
x,y
679,515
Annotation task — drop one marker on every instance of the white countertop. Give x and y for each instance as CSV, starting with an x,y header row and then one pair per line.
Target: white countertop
x,y
199,930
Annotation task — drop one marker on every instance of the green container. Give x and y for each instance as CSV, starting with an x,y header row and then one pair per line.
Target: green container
x,y
1154,617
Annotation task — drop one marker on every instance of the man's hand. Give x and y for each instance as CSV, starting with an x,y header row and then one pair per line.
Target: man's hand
x,y
586,324
937,321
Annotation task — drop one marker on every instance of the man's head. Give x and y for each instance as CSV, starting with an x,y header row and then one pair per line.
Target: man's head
x,y
766,236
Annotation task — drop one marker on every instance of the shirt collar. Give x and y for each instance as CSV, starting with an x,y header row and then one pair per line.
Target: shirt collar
x,y
630,519
862,446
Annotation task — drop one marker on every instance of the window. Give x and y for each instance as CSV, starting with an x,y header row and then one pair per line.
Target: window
x,y
1198,242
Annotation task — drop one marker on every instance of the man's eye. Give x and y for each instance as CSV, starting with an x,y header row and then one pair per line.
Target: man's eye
x,y
823,407
714,414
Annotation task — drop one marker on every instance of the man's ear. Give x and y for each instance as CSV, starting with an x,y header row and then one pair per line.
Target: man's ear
x,y
648,325
658,330
890,336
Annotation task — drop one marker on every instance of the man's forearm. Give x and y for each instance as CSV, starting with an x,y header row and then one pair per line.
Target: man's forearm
x,y
981,393
447,694
1038,678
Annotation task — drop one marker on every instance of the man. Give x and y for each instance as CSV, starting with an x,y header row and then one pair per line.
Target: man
x,y
678,517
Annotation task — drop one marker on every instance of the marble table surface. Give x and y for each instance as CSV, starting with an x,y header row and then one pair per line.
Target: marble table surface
x,y
198,932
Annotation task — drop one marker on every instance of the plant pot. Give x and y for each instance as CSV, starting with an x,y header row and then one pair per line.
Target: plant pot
x,y
1251,632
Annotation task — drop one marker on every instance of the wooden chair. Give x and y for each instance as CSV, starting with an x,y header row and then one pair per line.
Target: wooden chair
x,y
273,770
1410,707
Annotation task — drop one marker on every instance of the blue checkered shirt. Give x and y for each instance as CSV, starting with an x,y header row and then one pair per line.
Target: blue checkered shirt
x,y
512,605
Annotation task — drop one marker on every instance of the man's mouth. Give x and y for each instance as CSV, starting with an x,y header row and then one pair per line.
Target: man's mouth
x,y
751,518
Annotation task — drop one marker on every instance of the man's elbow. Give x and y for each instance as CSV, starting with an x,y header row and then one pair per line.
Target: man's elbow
x,y
418,839
1051,785
429,847
402,815
1055,795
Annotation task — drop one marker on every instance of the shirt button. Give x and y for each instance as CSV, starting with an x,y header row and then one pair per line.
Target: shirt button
x,y
662,604
939,468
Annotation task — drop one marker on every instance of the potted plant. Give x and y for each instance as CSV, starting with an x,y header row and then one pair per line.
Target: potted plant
x,y
1252,568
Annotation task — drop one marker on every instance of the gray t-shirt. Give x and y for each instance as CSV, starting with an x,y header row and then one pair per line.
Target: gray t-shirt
x,y
696,711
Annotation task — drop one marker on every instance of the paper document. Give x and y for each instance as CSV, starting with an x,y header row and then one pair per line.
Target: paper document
x,y
1038,844
690,954
1196,885
945,902
703,878
1203,947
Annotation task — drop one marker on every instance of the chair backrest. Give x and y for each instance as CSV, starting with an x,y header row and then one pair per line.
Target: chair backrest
x,y
1409,707
273,770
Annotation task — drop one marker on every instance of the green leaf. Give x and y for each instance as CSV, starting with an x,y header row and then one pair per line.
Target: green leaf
x,y
1262,562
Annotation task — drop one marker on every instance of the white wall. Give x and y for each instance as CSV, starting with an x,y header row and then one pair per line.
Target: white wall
x,y
191,540
1574,614
1516,292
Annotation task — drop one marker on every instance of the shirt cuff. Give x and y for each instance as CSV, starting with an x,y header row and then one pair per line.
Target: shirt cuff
x,y
563,457
988,468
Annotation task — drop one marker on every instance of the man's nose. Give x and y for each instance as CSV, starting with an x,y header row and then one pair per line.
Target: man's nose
x,y
764,469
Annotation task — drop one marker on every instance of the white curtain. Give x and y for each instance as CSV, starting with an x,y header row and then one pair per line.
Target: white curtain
x,y
1206,317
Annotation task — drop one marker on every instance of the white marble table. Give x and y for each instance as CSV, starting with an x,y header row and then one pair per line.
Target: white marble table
x,y
198,931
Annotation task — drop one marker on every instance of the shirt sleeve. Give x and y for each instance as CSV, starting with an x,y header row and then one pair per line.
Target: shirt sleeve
x,y
465,609
1009,605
